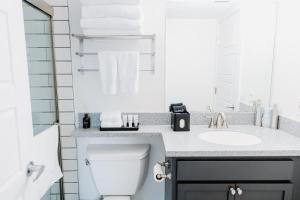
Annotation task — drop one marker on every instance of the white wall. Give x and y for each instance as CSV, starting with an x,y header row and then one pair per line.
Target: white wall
x,y
190,62
286,81
88,95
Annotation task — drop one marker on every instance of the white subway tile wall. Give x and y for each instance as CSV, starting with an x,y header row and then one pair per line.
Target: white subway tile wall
x,y
64,77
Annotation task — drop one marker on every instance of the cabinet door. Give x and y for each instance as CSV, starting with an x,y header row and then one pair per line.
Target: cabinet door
x,y
204,192
264,192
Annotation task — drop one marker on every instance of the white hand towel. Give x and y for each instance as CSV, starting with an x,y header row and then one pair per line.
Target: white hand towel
x,y
110,23
114,116
128,71
104,11
111,124
108,63
46,148
110,2
95,32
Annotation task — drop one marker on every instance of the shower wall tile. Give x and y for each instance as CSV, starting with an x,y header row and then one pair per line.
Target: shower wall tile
x,y
62,41
66,105
63,67
40,67
66,130
34,27
69,153
62,54
67,117
64,80
71,188
57,2
71,197
65,93
70,165
61,27
61,13
70,176
64,77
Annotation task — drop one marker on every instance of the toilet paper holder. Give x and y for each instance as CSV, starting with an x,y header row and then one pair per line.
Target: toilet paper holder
x,y
164,176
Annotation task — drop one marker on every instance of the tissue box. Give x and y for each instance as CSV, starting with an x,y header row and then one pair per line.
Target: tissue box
x,y
180,121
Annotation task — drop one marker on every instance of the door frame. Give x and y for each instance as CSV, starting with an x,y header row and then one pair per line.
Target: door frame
x,y
48,9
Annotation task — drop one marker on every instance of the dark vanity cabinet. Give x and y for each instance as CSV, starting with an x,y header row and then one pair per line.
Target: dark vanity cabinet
x,y
235,179
230,191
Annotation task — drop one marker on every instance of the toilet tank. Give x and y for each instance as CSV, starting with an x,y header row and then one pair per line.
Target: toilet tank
x,y
118,169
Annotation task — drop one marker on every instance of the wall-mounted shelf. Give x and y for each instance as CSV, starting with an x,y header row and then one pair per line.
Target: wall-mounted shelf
x,y
81,53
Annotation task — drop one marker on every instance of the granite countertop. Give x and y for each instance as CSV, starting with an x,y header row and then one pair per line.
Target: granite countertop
x,y
187,144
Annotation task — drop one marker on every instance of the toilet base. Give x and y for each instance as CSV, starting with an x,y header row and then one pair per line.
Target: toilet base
x,y
116,198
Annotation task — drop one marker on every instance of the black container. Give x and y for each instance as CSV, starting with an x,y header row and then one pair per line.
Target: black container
x,y
180,121
86,121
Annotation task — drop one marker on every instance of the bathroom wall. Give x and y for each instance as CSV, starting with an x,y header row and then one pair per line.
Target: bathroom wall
x,y
64,77
152,85
286,82
190,61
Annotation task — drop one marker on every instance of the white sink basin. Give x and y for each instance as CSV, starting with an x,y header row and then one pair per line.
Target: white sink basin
x,y
229,138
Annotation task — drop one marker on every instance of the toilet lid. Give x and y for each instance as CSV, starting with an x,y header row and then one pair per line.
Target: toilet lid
x,y
117,151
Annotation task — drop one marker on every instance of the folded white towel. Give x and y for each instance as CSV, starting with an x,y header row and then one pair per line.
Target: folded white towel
x,y
104,11
110,23
111,124
110,2
128,71
115,116
108,63
95,32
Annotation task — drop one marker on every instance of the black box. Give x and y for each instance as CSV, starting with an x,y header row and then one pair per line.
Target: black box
x,y
180,121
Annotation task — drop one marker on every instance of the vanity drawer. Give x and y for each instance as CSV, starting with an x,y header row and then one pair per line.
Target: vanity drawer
x,y
235,170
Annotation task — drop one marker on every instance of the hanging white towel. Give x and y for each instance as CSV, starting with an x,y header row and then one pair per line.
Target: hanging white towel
x,y
128,71
46,148
108,63
104,11
110,2
95,32
110,23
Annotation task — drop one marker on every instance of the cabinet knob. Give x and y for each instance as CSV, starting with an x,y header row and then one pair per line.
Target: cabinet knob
x,y
239,191
232,191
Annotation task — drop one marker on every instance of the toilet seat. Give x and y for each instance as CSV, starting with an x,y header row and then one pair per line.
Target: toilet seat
x,y
116,198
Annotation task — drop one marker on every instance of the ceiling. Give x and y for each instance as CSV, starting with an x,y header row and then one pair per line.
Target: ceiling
x,y
206,9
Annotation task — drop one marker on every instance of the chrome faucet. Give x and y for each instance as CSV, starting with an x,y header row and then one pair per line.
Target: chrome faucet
x,y
221,121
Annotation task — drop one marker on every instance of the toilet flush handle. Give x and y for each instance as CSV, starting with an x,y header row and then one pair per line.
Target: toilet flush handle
x,y
87,162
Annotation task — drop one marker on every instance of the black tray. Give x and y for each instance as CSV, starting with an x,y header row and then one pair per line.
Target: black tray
x,y
120,129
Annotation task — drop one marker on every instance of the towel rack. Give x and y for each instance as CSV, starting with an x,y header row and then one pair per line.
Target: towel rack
x,y
81,53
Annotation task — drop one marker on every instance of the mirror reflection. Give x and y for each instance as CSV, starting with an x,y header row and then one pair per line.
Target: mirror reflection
x,y
219,53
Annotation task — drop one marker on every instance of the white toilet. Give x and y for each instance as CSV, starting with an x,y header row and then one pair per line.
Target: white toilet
x,y
118,170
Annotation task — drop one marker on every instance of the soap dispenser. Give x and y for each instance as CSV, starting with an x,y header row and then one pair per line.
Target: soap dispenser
x,y
86,121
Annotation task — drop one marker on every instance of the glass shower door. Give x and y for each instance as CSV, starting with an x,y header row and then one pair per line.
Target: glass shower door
x,y
41,70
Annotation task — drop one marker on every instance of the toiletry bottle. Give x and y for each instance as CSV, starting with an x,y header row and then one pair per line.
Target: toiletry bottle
x,y
86,121
275,117
267,117
259,113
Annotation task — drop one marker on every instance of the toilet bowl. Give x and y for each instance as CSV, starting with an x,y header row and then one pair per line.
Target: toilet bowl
x,y
118,170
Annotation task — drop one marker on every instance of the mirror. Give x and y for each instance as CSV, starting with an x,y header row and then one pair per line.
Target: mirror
x,y
219,53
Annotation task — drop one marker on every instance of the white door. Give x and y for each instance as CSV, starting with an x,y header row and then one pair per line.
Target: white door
x,y
16,134
228,64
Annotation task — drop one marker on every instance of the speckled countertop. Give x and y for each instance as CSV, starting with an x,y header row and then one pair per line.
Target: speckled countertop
x,y
188,144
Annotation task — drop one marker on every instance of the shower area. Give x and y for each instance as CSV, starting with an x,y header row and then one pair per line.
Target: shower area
x,y
41,69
